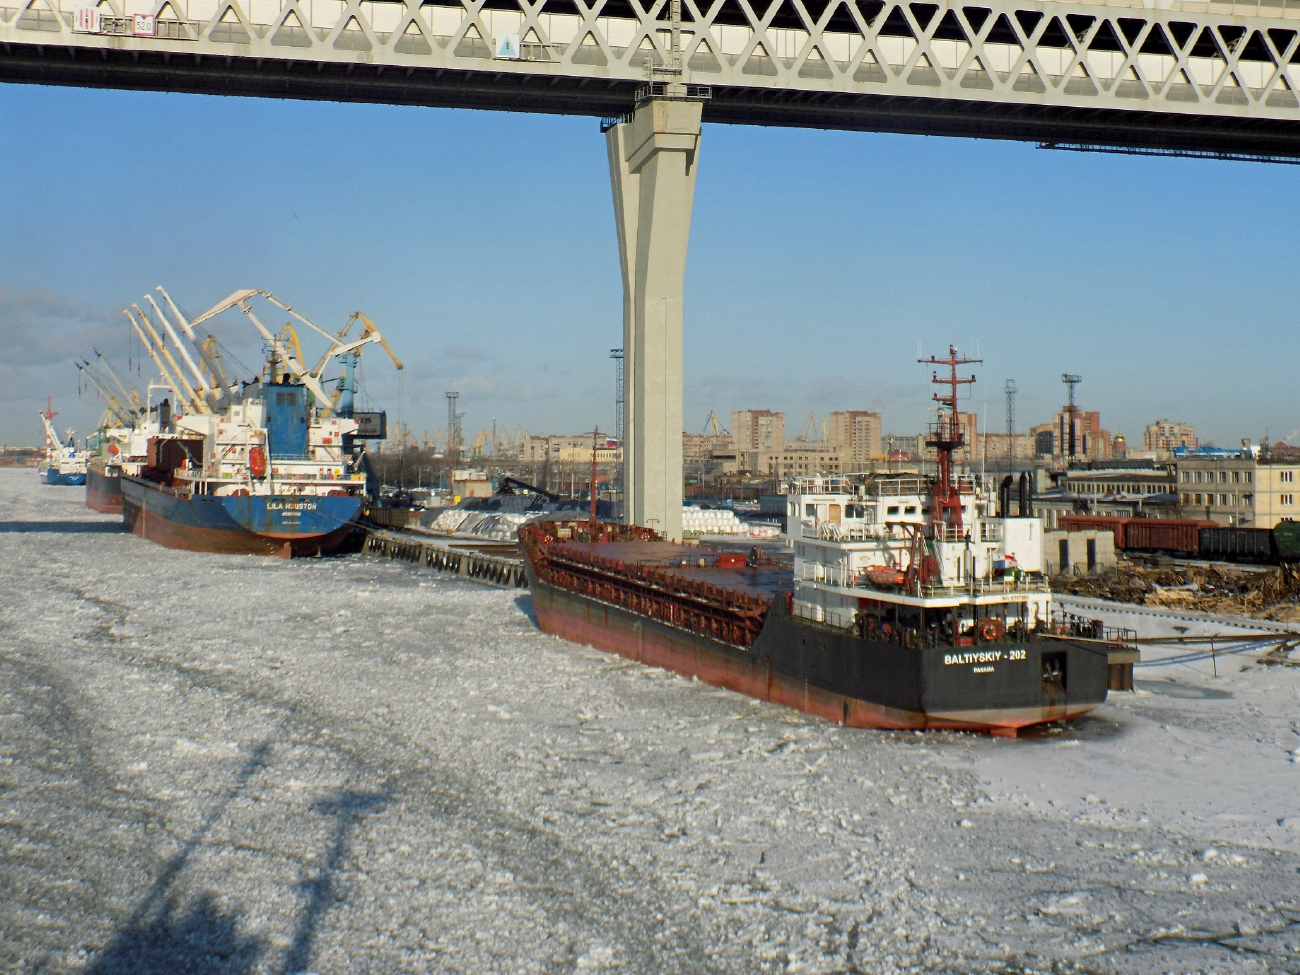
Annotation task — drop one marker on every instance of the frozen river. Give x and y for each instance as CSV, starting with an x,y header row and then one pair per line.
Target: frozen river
x,y
237,764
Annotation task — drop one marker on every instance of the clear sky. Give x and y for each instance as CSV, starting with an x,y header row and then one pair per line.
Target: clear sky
x,y
483,244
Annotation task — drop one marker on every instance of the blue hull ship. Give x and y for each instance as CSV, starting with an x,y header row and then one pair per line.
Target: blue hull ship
x,y
286,525
52,475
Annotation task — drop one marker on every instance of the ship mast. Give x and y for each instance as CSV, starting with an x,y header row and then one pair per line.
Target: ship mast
x,y
945,503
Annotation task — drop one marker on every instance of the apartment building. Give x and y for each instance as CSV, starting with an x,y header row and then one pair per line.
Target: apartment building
x,y
1254,492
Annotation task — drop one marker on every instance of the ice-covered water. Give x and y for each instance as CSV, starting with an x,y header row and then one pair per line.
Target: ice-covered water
x,y
238,764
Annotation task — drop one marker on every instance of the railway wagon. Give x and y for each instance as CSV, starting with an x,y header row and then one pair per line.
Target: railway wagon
x,y
1286,541
1180,536
1238,545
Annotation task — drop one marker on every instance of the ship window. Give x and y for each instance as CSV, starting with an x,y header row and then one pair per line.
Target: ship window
x,y
893,510
910,510
810,511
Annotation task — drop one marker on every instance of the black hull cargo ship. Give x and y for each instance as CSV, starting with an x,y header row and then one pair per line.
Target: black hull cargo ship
x,y
727,620
909,605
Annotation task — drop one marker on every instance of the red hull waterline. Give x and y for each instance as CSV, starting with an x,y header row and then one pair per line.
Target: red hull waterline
x,y
108,504
590,623
162,532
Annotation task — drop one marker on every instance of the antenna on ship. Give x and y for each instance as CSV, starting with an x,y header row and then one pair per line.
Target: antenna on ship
x,y
945,505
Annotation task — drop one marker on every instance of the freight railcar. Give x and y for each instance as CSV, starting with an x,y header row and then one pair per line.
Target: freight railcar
x,y
1175,536
1238,545
1195,538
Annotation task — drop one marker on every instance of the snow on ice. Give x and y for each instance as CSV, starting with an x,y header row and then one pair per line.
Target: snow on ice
x,y
238,764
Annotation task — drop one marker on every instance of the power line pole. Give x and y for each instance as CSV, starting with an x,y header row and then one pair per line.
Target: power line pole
x,y
453,430
1071,380
1010,390
617,356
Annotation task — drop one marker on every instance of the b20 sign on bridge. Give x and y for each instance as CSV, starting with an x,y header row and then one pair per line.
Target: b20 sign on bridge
x,y
1217,76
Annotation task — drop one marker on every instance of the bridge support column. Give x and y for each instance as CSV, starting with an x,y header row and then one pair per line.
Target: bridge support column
x,y
652,167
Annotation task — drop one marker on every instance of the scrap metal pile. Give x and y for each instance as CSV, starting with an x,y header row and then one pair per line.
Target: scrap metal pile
x,y
1265,594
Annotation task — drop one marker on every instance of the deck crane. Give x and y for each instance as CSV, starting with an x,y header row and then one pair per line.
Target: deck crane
x,y
209,398
168,379
292,359
118,412
341,401
131,398
293,364
207,349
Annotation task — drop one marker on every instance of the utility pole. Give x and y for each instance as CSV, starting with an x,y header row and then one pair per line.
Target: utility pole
x,y
617,356
1010,390
1071,380
453,430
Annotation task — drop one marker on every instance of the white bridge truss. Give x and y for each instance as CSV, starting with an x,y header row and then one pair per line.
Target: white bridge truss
x,y
1219,77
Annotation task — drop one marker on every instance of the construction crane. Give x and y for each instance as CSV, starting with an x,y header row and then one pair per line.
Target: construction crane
x,y
810,428
712,427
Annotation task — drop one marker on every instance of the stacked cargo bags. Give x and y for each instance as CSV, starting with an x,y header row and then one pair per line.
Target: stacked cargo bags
x,y
712,521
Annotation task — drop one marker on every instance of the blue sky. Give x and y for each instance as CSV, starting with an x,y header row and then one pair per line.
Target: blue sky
x,y
483,244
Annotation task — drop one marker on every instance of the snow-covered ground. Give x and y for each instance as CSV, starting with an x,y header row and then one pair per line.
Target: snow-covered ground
x,y
239,764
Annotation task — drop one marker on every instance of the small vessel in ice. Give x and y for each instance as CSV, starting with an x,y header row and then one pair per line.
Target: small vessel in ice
x,y
63,463
272,466
910,604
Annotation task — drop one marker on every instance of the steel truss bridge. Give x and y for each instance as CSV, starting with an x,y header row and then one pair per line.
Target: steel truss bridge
x,y
1217,77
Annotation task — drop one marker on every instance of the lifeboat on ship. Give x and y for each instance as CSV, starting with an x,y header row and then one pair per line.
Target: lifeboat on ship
x,y
885,575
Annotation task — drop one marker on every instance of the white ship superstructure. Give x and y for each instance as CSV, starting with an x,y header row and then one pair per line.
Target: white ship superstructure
x,y
868,552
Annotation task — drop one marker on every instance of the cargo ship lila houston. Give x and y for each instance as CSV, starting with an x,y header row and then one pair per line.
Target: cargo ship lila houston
x,y
265,468
909,606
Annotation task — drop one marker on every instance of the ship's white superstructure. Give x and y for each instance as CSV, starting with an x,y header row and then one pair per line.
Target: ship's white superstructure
x,y
868,552
63,462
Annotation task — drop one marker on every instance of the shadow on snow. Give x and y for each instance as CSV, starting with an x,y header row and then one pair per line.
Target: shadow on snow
x,y
61,527
162,937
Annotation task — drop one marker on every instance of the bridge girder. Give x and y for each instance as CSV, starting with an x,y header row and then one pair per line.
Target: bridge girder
x,y
1210,77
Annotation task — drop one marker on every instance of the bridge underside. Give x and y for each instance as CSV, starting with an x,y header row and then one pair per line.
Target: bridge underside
x,y
567,95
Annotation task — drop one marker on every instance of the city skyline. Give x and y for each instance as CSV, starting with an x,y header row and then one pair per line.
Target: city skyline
x,y
484,246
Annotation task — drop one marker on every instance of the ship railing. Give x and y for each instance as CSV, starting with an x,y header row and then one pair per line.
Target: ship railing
x,y
835,575
1084,628
836,532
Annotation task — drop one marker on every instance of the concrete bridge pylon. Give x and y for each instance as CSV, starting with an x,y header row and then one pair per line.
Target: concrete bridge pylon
x,y
652,160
